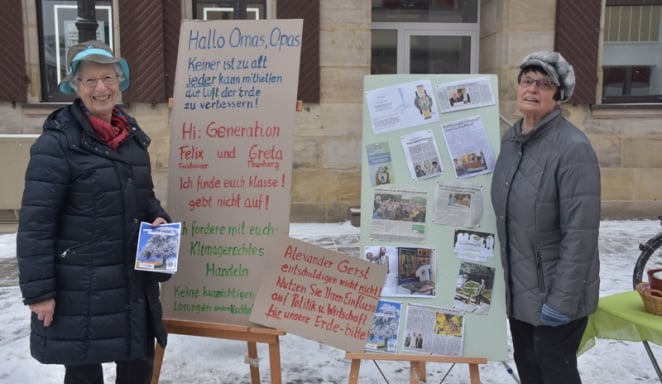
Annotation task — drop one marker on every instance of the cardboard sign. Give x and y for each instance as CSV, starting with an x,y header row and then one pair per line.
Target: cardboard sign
x,y
319,294
230,161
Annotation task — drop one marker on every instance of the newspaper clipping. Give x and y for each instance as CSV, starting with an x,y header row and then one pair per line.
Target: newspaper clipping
x,y
399,214
401,106
466,94
470,157
433,330
422,155
459,204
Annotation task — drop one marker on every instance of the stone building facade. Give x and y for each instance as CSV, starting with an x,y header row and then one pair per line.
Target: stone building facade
x,y
327,147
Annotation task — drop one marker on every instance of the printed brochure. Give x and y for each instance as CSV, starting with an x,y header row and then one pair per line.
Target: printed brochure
x,y
158,247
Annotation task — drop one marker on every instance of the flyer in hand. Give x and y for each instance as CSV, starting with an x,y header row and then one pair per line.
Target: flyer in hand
x,y
158,247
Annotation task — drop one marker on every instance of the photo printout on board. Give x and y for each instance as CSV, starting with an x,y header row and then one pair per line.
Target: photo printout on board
x,y
385,327
379,164
465,94
473,292
411,271
399,214
401,106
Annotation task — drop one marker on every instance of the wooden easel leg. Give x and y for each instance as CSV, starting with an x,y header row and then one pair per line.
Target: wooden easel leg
x,y
417,363
252,362
274,361
354,371
158,362
413,372
474,374
416,372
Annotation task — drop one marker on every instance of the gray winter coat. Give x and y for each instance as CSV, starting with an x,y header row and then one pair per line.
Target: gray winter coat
x,y
546,197
76,242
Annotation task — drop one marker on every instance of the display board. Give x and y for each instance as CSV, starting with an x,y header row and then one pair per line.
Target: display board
x,y
231,162
430,143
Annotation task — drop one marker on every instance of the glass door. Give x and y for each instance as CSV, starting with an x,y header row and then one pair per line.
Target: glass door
x,y
425,37
430,52
424,51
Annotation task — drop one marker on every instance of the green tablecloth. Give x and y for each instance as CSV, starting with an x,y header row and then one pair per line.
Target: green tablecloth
x,y
622,317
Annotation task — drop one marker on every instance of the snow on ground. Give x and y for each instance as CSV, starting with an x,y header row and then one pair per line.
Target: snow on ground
x,y
199,360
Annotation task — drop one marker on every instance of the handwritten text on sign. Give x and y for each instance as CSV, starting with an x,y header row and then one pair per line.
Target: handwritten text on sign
x,y
230,161
319,294
230,82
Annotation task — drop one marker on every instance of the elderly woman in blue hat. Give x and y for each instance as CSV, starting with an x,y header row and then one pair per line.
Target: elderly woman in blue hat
x,y
546,197
88,186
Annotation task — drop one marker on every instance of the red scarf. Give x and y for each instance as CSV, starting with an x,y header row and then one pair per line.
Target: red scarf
x,y
113,133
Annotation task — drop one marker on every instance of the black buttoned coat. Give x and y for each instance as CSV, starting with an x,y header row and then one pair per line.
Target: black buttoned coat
x,y
82,206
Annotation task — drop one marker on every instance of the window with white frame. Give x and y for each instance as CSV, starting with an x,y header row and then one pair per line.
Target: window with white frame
x,y
632,52
229,10
57,32
425,37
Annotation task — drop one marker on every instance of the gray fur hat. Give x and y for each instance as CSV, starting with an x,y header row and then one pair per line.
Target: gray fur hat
x,y
556,67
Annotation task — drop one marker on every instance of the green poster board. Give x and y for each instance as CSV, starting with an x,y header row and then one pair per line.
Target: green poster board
x,y
429,147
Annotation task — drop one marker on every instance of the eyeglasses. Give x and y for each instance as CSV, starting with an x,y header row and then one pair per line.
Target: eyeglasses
x,y
542,84
92,81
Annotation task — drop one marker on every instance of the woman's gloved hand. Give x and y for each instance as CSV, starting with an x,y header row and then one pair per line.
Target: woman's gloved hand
x,y
553,318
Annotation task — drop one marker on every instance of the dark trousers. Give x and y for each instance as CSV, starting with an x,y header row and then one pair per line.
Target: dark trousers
x,y
547,355
127,372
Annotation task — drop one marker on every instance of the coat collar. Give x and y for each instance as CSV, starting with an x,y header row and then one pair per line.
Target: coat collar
x,y
545,124
71,120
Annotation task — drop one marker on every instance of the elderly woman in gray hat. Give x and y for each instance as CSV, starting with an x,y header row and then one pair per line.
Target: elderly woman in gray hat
x,y
546,197
88,186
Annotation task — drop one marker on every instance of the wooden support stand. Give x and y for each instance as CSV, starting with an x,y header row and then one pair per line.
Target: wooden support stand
x,y
417,364
252,335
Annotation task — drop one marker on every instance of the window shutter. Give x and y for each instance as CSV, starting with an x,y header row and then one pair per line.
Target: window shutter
x,y
578,40
142,45
12,60
309,69
172,18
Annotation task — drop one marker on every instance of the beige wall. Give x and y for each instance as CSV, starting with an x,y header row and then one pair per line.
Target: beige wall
x,y
627,140
628,143
326,180
326,170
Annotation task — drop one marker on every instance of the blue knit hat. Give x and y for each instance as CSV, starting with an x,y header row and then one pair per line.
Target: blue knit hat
x,y
91,51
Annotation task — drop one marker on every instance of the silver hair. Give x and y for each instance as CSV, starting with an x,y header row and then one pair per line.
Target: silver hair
x,y
74,78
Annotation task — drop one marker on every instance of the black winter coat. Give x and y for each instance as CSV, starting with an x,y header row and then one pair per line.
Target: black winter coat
x,y
82,206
